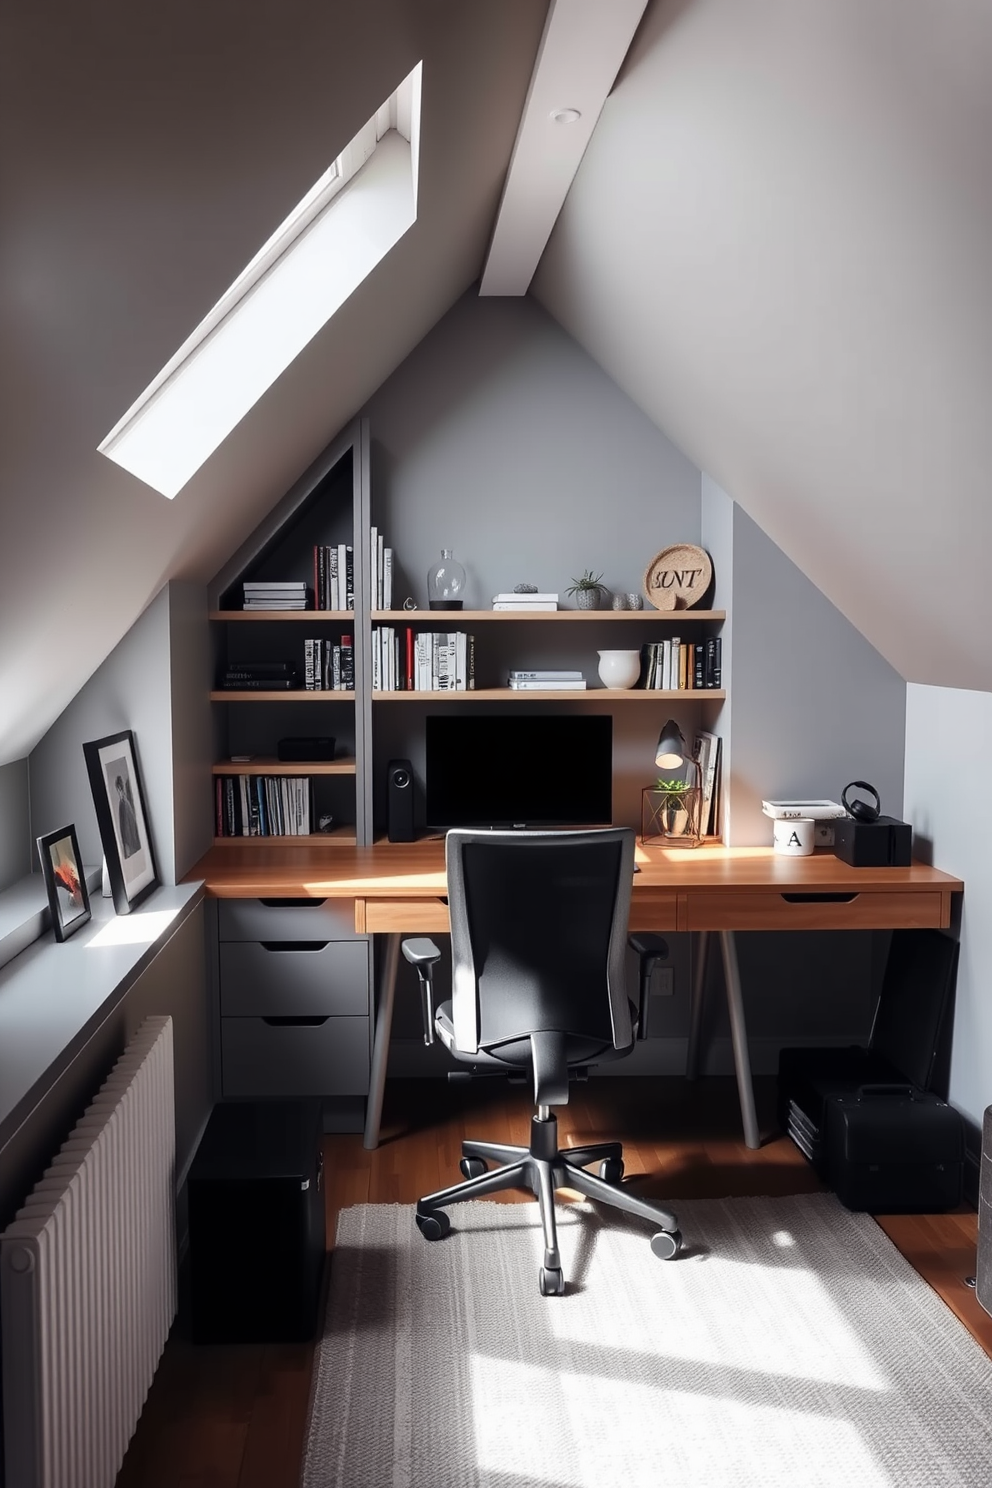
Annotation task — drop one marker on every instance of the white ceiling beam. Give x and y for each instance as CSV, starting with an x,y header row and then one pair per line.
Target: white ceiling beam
x,y
583,45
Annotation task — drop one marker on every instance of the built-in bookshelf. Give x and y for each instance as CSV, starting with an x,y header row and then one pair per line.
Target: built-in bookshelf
x,y
332,507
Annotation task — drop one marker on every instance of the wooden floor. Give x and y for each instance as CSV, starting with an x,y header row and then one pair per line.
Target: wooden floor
x,y
234,1417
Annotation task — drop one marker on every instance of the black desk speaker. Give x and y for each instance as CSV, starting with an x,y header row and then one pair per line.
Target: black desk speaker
x,y
256,1223
399,800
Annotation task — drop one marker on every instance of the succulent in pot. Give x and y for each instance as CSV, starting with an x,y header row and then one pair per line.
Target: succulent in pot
x,y
586,590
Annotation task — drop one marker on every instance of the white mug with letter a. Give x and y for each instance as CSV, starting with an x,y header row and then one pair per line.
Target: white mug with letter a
x,y
793,835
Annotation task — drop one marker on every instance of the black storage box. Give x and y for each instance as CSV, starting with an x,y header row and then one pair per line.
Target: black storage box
x,y
883,843
305,750
883,1149
256,1223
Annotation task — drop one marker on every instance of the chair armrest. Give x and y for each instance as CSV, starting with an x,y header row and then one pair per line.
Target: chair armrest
x,y
423,954
421,951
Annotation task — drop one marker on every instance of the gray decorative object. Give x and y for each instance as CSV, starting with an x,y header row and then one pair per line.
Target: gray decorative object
x,y
586,590
525,589
620,602
634,602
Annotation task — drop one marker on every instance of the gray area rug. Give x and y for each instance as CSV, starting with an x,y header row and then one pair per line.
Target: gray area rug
x,y
789,1346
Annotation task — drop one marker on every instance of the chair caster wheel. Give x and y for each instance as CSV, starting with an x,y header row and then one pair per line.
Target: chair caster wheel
x,y
435,1226
611,1169
473,1167
666,1244
551,1282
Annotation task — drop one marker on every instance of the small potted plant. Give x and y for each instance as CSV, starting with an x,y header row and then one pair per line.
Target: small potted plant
x,y
586,590
670,812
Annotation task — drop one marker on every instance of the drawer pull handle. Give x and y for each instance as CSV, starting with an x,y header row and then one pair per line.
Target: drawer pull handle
x,y
819,898
293,903
300,1022
294,945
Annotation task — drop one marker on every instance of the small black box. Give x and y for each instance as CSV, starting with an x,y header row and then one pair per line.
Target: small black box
x,y
305,750
883,843
256,1223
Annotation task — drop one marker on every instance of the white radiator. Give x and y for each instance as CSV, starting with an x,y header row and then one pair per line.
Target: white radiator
x,y
88,1279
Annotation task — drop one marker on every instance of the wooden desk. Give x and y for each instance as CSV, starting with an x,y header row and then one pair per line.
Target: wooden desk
x,y
398,889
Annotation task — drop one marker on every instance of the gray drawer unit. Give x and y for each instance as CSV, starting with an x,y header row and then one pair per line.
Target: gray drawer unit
x,y
293,919
294,978
268,1058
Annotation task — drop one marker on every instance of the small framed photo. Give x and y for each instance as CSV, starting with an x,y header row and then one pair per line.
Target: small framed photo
x,y
67,896
112,766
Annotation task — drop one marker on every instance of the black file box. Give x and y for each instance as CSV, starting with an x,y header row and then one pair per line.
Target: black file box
x,y
256,1223
866,1118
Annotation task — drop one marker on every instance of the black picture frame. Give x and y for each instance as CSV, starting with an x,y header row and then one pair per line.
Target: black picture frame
x,y
112,766
68,899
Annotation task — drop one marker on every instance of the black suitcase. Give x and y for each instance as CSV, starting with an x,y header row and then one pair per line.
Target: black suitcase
x,y
894,1149
828,1107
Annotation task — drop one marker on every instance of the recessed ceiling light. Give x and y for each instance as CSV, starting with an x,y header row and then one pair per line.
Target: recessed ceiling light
x,y
565,116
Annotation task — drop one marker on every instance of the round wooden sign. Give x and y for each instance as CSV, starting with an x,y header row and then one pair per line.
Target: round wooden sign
x,y
678,577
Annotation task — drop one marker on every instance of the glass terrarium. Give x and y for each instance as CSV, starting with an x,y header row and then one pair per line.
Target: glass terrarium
x,y
671,812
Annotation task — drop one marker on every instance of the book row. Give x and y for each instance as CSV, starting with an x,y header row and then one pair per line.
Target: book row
x,y
334,576
382,572
678,666
329,666
422,661
262,806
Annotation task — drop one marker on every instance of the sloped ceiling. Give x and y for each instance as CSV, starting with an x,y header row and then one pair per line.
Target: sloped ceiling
x,y
779,243
145,154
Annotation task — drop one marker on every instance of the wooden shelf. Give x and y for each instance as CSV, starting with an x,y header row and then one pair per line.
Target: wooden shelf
x,y
340,837
596,694
268,766
293,615
292,695
438,619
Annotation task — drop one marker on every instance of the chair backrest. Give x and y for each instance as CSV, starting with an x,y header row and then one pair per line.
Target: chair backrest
x,y
538,934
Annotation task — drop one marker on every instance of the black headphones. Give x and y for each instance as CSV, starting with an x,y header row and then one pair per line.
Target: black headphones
x,y
862,811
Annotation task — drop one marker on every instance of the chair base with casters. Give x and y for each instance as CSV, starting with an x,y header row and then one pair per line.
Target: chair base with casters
x,y
543,1166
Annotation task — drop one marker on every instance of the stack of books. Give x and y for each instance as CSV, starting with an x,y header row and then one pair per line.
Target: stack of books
x,y
272,594
526,603
260,676
547,681
262,806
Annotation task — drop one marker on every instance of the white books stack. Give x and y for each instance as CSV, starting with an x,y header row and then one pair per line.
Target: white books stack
x,y
382,571
547,681
526,603
263,594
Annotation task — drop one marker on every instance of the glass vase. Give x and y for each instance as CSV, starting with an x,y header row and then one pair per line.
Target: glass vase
x,y
446,583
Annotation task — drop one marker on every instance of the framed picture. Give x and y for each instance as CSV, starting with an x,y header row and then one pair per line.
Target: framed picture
x,y
67,896
120,813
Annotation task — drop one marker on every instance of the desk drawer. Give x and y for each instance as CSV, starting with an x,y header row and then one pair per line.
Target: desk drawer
x,y
407,917
294,978
653,909
765,910
265,1059
275,919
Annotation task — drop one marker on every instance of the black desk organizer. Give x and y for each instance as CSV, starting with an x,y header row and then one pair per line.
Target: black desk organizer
x,y
256,1223
868,1118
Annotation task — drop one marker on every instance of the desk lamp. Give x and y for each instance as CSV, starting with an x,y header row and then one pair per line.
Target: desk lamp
x,y
667,813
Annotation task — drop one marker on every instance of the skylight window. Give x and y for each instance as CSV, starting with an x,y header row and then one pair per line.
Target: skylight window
x,y
358,209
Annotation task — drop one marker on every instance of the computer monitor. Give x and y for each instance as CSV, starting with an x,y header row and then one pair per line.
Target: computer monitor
x,y
527,770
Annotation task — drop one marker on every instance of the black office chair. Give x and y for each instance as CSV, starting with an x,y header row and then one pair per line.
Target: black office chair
x,y
538,939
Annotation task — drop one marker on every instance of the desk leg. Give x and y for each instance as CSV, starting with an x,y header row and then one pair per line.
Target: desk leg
x,y
380,1045
738,1033
696,1007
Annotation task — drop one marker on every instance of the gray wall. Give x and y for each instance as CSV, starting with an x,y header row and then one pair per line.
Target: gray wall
x,y
155,682
813,704
16,856
947,801
500,438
